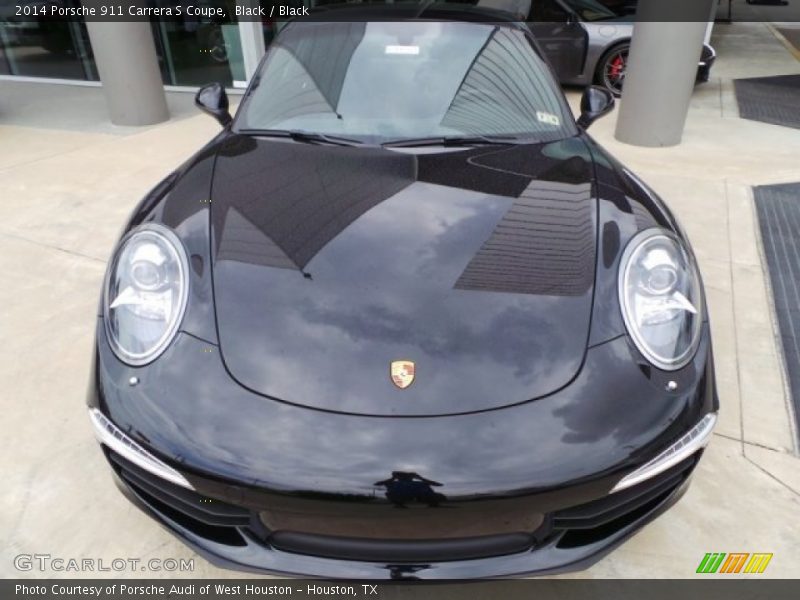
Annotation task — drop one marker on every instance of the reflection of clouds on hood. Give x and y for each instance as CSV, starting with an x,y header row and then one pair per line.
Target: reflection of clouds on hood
x,y
426,229
222,426
506,336
331,263
600,399
383,289
476,220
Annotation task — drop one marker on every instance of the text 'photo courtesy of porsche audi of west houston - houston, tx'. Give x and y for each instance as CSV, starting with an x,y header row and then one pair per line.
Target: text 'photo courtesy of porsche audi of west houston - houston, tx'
x,y
431,330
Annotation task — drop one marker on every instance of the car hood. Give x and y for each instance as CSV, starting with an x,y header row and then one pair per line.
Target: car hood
x,y
330,263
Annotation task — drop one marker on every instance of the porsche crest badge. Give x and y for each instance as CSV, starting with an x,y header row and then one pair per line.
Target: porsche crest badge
x,y
402,373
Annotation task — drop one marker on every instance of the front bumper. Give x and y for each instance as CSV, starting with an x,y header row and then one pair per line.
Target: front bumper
x,y
569,547
232,536
254,465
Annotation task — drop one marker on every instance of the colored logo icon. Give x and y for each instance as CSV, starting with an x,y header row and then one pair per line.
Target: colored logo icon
x,y
735,562
402,373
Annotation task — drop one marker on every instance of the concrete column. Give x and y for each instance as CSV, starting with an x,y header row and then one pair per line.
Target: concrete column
x,y
128,67
661,71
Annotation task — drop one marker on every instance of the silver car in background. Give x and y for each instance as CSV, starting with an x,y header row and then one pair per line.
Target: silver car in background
x,y
586,41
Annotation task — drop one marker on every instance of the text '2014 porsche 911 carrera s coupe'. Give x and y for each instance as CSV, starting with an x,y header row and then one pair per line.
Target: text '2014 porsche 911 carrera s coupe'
x,y
403,318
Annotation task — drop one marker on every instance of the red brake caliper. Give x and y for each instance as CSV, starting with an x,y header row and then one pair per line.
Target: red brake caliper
x,y
616,67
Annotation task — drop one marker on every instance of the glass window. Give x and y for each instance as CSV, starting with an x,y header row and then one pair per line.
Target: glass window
x,y
45,46
548,11
194,50
599,10
393,80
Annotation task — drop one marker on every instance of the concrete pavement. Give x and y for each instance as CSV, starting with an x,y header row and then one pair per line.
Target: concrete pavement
x,y
67,189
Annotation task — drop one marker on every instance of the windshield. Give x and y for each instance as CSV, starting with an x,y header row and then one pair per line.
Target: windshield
x,y
389,81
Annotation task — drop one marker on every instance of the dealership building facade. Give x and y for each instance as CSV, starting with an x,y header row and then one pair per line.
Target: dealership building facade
x,y
136,59
191,49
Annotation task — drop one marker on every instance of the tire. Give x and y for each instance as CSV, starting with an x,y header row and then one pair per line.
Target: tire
x,y
610,72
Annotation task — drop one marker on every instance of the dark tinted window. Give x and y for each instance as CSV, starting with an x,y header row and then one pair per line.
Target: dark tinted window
x,y
600,10
548,11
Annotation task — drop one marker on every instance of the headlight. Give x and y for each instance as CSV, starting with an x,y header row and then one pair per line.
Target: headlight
x,y
661,299
145,293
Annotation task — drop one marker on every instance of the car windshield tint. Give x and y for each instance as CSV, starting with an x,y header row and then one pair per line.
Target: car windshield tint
x,y
602,10
380,82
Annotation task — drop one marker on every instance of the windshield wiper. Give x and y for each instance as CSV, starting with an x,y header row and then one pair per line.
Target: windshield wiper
x,y
453,140
306,137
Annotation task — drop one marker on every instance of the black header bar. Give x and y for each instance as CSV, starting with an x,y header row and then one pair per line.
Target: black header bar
x,y
19,12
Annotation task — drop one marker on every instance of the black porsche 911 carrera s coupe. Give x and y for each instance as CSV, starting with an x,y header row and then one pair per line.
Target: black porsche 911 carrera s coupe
x,y
403,318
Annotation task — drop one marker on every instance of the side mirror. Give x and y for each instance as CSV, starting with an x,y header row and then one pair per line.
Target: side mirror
x,y
596,102
213,100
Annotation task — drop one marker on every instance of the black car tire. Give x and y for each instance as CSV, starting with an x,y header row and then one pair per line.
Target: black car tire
x,y
604,73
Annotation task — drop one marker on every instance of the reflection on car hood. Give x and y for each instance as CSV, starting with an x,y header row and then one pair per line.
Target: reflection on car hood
x,y
330,263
